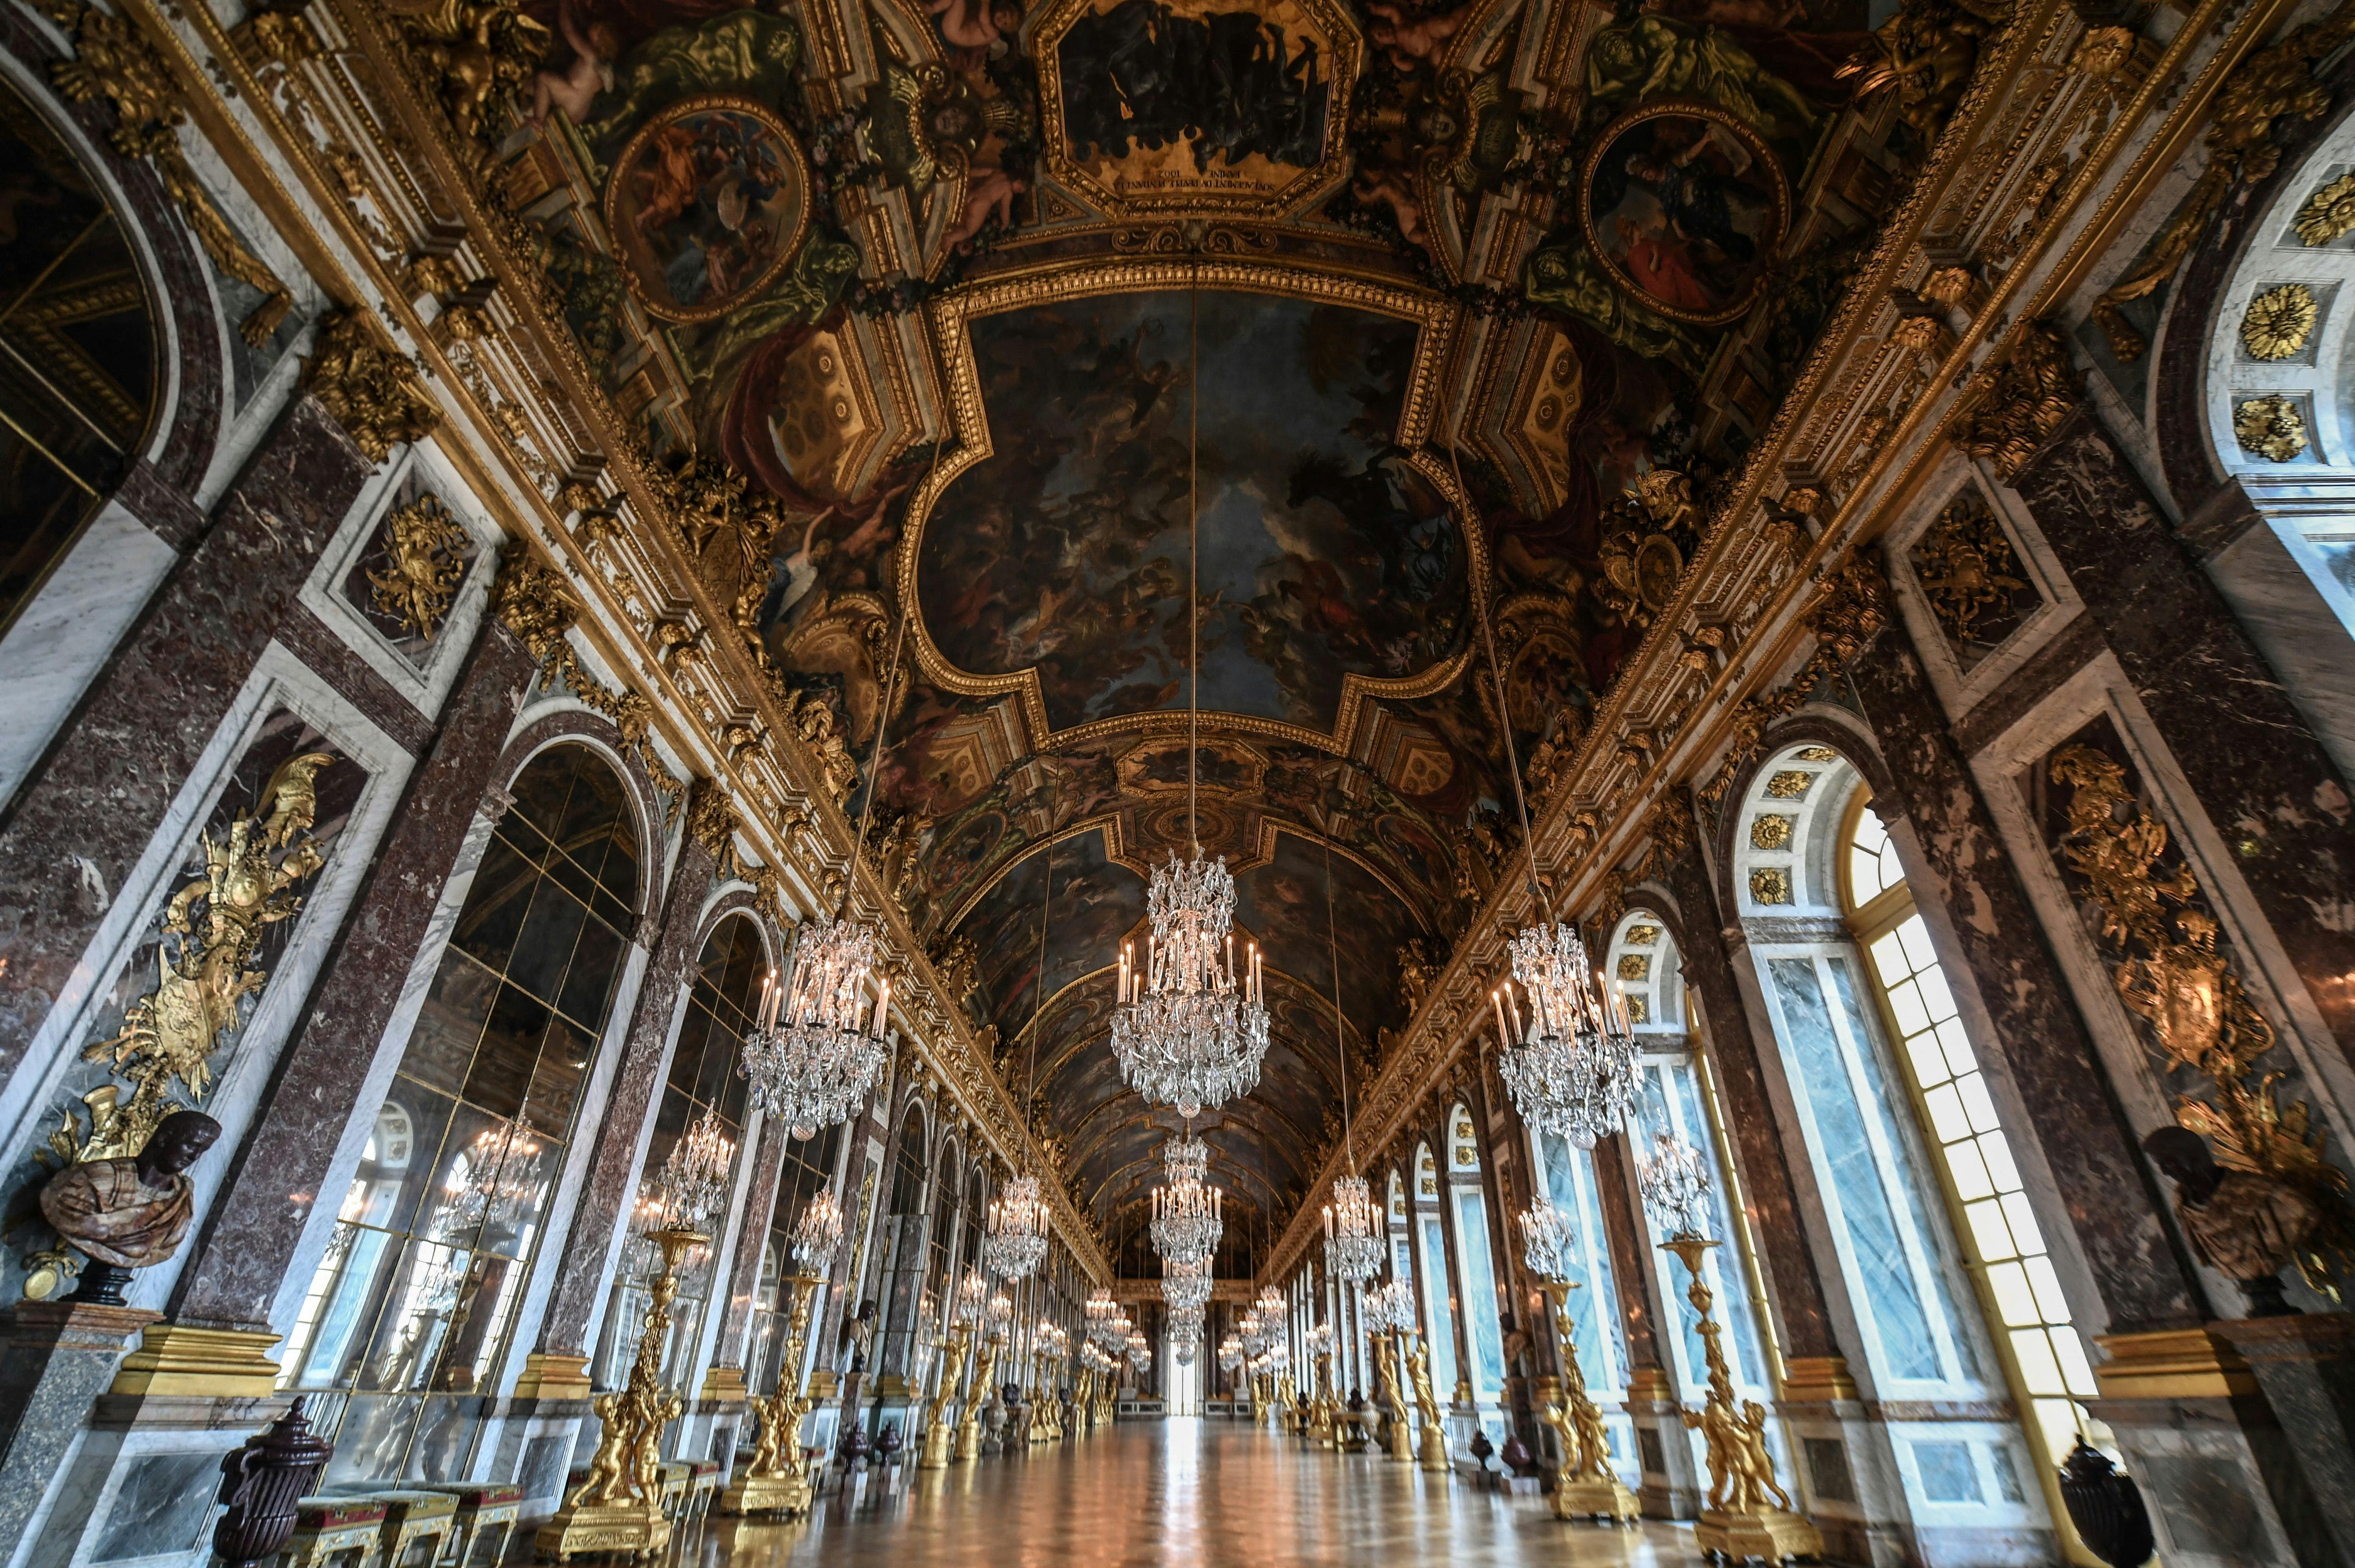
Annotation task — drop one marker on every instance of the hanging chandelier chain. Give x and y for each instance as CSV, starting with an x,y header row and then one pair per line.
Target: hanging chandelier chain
x,y
1341,1044
883,715
1193,557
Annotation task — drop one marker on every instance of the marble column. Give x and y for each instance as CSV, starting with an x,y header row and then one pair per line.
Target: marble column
x,y
84,816
744,1274
1756,1131
240,1260
612,1176
56,1357
2260,773
2064,1089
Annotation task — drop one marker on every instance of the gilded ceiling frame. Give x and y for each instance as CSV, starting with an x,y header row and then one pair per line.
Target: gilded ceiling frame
x,y
966,420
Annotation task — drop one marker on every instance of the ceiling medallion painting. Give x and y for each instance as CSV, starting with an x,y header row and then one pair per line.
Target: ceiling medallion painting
x,y
1685,205
707,206
1057,557
1151,107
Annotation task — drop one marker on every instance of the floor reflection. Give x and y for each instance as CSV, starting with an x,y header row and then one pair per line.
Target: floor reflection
x,y
1182,1492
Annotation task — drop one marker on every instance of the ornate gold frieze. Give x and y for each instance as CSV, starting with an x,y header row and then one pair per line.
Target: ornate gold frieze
x,y
427,551
372,389
1966,566
2172,974
2278,322
2021,402
114,60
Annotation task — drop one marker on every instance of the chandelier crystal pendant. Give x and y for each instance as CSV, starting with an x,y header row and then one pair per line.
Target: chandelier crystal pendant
x,y
1569,1057
1354,1230
1187,1212
820,1046
1191,1027
1548,1245
1186,1285
1016,1242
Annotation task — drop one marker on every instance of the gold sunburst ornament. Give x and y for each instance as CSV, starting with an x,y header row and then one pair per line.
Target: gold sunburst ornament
x,y
2278,322
2271,427
2329,212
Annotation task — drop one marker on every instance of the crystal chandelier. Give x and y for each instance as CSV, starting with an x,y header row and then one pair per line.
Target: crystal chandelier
x,y
1016,1242
1389,1307
1548,1241
1571,1061
494,1186
972,1297
1184,1333
1190,1030
1674,1180
1186,1285
1230,1353
819,1047
818,1235
1354,1230
1000,1316
1140,1354
1187,1214
694,1180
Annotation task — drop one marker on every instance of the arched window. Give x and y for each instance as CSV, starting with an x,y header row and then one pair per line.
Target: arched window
x,y
412,1310
1438,1289
79,371
1481,1303
807,1170
2044,1359
903,1268
1812,856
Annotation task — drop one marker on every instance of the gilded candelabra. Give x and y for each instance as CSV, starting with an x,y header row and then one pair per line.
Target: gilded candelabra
x,y
1324,1425
619,1507
1749,1515
1588,1487
1386,1359
939,1436
1433,1454
776,1481
968,1430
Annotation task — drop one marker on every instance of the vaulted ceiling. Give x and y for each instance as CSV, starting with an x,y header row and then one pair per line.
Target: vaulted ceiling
x,y
1378,317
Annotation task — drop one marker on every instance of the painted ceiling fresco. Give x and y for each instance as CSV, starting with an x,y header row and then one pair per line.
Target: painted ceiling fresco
x,y
1490,298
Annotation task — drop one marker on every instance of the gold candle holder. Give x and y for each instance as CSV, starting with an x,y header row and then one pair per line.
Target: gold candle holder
x,y
1433,1457
1588,1487
776,1481
1324,1424
968,1430
619,1507
1386,1358
1749,1514
939,1436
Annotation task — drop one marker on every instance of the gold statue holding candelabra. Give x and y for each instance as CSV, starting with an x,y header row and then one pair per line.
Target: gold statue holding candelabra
x,y
1588,1487
991,1325
939,1436
1749,1514
776,1481
1433,1456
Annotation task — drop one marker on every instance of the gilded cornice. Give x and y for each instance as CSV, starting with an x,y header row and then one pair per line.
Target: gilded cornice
x,y
1760,589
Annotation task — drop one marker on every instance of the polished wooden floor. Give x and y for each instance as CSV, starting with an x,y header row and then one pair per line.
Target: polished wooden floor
x,y
1184,1492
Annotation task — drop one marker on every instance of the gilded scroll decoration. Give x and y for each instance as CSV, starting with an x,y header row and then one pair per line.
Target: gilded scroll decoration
x,y
427,547
2278,322
1967,568
2169,974
371,390
2329,212
2269,427
2021,402
533,603
475,51
114,60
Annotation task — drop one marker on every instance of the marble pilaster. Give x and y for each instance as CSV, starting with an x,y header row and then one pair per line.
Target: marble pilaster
x,y
2248,753
84,816
613,1173
2063,1087
1757,1135
752,1242
238,1264
56,1357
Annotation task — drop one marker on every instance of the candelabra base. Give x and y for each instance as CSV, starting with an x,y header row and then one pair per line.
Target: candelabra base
x,y
1767,1533
788,1493
968,1440
939,1443
1596,1499
638,1528
1401,1443
1433,1456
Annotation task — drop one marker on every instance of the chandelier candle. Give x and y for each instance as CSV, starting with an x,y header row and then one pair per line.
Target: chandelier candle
x,y
819,1049
1570,1062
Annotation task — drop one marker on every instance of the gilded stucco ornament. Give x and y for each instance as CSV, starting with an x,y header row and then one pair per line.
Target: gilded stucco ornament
x,y
470,51
2021,402
1965,567
371,390
2171,974
1771,830
2270,427
2329,212
1926,54
114,60
428,559
1770,885
2278,322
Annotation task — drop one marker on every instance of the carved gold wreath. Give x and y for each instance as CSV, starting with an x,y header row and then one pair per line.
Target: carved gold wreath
x,y
2278,322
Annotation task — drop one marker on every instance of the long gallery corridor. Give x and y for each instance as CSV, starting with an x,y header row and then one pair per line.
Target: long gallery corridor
x,y
1188,1492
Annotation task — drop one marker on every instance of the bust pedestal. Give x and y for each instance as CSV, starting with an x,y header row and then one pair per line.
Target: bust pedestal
x,y
56,1357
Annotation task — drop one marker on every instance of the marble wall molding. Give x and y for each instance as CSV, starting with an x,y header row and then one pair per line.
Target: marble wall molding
x,y
552,717
323,1094
279,682
86,824
2101,689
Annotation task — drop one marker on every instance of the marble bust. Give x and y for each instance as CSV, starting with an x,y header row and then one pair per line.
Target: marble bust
x,y
131,1212
2244,1225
